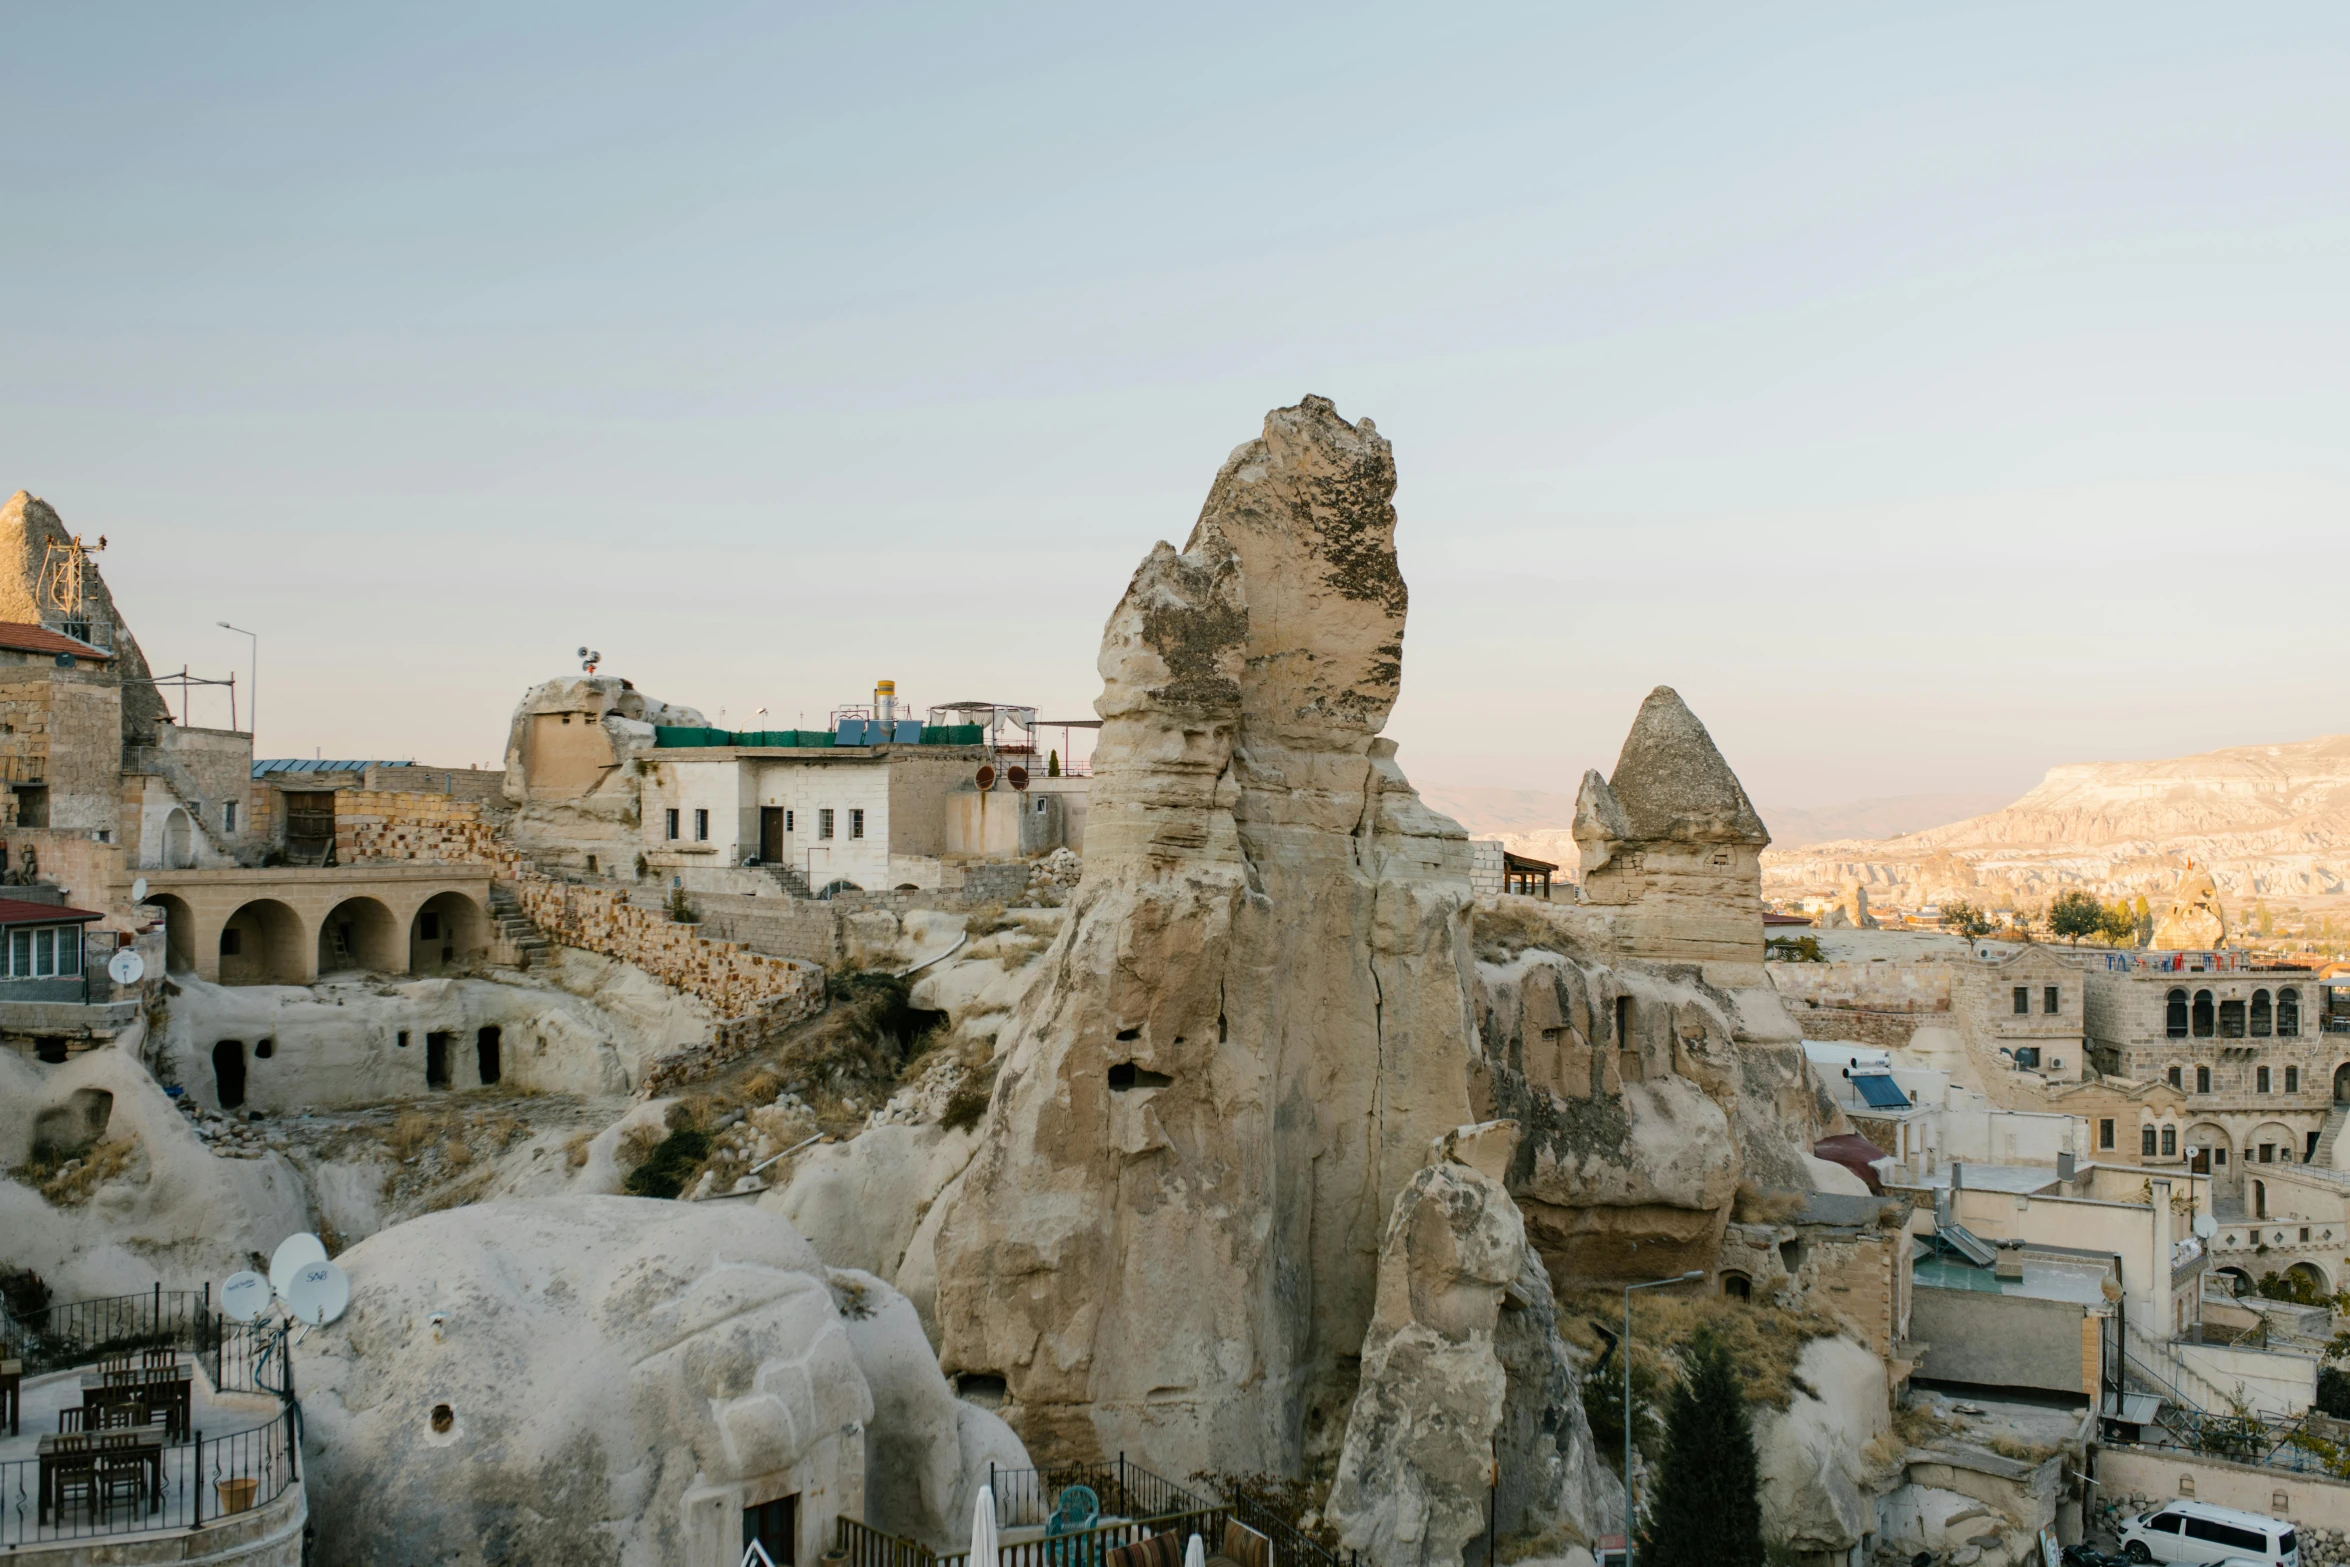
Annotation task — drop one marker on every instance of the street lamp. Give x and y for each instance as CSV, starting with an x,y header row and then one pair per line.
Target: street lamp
x,y
1626,1346
253,684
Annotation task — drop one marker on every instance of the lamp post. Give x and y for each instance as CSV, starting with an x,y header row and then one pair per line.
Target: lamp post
x,y
253,682
1626,1346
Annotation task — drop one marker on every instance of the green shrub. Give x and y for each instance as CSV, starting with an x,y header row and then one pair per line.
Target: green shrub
x,y
671,1164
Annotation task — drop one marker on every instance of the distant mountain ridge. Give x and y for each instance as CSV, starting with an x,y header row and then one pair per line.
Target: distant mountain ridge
x,y
1540,822
2265,820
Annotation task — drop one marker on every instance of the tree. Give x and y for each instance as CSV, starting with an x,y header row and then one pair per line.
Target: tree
x,y
2075,914
1052,763
1962,918
2121,924
1705,1509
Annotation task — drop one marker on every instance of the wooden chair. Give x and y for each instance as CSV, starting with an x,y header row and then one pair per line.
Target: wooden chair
x,y
160,1357
75,1475
74,1417
120,1362
121,1476
117,1414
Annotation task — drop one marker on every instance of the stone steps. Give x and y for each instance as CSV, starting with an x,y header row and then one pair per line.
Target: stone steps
x,y
2336,1119
515,926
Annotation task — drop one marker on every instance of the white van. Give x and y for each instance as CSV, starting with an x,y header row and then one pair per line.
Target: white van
x,y
2200,1533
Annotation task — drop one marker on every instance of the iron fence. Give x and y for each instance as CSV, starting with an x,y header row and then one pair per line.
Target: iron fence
x,y
79,1332
66,1497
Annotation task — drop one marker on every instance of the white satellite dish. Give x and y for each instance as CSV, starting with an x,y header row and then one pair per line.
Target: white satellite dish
x,y
245,1296
139,890
126,967
319,1293
2205,1226
294,1253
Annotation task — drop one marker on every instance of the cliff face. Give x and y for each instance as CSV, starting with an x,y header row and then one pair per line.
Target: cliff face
x,y
2265,820
1256,1019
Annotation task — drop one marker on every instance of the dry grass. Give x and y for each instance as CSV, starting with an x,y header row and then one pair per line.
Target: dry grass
x,y
68,1182
1764,1341
986,920
1756,1206
967,1105
410,1134
575,1149
2021,1451
457,1153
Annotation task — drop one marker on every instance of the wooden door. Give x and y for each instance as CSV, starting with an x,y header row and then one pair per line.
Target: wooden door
x,y
771,834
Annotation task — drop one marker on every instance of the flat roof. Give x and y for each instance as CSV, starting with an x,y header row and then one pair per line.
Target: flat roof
x,y
2045,1278
2021,1179
16,911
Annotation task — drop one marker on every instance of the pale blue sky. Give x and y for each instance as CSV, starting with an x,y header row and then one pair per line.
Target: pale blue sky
x,y
1930,393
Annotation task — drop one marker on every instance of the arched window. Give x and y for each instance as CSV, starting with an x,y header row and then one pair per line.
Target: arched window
x,y
2170,1142
2175,1015
2203,1080
2202,1014
2289,1014
2174,1077
2262,1019
2231,1019
2145,1142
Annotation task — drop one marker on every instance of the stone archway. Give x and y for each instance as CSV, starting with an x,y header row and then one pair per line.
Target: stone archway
x,y
2342,1084
179,932
360,933
448,931
179,840
2315,1274
262,944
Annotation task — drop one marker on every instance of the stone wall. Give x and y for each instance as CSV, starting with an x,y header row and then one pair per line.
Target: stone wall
x,y
2135,1479
375,825
1853,1025
1876,986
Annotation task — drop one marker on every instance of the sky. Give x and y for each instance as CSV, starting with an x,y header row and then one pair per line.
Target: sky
x,y
1929,394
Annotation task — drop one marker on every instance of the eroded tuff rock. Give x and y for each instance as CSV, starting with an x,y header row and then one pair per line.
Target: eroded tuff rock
x,y
29,526
2195,920
612,1380
1256,1017
570,773
1463,1370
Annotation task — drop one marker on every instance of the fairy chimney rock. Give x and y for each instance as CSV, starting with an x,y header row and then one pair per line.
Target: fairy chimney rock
x,y
1672,842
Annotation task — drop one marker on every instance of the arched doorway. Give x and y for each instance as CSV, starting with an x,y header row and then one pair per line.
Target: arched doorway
x,y
359,933
179,841
2342,1084
2238,1281
262,945
179,933
2314,1276
2203,1014
228,1073
1737,1286
448,932
2260,1199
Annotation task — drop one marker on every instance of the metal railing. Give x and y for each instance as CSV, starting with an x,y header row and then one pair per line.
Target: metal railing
x,y
76,1333
869,1547
1025,1497
196,1482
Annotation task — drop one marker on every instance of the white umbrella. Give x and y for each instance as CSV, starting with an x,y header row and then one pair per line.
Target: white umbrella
x,y
983,1546
1195,1554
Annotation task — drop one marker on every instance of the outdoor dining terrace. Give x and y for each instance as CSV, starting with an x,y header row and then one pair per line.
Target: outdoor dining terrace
x,y
1083,1515
137,1418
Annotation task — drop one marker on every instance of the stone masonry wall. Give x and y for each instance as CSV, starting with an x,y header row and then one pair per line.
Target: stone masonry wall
x,y
756,993
1851,1025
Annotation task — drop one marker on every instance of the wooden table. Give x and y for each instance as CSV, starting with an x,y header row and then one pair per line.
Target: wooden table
x,y
170,1390
85,1453
12,1395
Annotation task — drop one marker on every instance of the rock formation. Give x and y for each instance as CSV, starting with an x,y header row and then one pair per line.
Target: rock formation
x,y
1256,1018
613,1379
1467,1390
29,526
570,773
2195,920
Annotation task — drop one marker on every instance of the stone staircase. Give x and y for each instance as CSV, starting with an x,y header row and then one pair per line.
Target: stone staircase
x,y
515,927
2335,1121
790,879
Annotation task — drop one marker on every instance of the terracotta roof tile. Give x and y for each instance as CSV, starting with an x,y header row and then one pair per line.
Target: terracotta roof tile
x,y
40,639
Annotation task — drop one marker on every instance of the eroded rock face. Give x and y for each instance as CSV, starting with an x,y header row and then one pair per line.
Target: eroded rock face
x,y
2195,920
570,755
28,527
613,1380
1256,1017
1463,1369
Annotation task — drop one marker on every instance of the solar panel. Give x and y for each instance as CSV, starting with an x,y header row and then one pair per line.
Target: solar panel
x,y
1879,1091
909,731
852,732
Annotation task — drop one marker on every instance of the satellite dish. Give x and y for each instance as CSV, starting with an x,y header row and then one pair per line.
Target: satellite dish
x,y
1017,777
318,1294
985,777
2205,1226
139,890
245,1296
293,1254
126,967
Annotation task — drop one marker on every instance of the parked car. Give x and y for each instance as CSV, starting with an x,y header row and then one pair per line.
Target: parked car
x,y
2199,1533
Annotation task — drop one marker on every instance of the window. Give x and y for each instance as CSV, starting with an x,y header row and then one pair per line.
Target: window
x,y
2202,1014
2289,1014
2268,1153
1040,799
2305,1235
2170,1142
228,816
2262,1018
2168,1523
824,822
2146,1142
2227,1534
2292,1080
701,826
2175,1015
787,826
856,823
2023,1000
671,815
2231,1019
2203,1080
69,949
2174,1077
2105,1134
2260,1080
2219,1156
2051,1001
232,942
